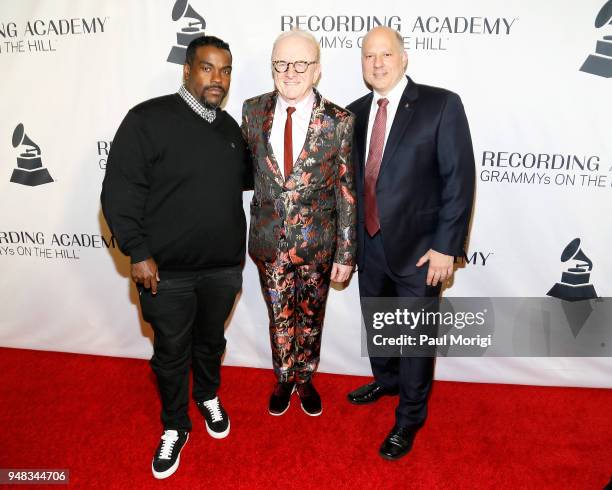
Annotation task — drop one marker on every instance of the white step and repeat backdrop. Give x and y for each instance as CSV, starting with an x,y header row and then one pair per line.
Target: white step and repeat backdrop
x,y
540,115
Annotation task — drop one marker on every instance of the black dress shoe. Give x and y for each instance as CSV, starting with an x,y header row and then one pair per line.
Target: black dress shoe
x,y
279,400
398,443
311,401
369,393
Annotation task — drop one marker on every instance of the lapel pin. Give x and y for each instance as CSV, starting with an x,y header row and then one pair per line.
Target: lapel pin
x,y
233,145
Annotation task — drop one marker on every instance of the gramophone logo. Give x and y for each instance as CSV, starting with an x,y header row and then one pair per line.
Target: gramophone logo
x,y
574,285
600,63
30,170
193,30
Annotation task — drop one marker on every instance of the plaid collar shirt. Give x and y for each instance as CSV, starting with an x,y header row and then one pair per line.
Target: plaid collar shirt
x,y
204,112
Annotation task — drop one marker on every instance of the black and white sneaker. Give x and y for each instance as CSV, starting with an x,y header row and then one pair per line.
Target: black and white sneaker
x,y
168,455
217,421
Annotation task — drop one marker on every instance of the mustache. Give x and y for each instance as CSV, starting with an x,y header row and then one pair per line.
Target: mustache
x,y
209,104
218,87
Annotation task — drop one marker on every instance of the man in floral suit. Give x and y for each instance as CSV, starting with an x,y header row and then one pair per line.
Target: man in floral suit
x,y
303,213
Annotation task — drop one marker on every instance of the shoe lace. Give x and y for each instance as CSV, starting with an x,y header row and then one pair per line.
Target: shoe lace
x,y
399,437
214,408
168,441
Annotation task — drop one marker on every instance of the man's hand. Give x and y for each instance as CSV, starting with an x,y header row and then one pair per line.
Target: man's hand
x,y
145,273
340,273
440,267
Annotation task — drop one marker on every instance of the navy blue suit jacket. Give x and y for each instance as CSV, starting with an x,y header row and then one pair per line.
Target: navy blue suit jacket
x,y
425,187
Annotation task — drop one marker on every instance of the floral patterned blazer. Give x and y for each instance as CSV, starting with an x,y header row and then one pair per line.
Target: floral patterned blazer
x,y
310,217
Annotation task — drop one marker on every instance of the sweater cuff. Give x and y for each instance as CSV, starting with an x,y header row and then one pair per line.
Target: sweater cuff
x,y
139,253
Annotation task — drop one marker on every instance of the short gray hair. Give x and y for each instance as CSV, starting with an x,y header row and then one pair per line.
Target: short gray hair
x,y
303,35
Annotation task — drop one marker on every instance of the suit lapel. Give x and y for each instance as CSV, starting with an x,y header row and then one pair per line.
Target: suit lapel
x,y
362,116
405,111
268,120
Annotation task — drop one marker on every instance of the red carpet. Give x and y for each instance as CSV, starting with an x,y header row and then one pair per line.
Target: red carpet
x,y
98,417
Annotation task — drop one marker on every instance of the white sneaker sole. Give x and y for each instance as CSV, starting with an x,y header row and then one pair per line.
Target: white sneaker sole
x,y
288,404
282,413
311,414
218,435
160,475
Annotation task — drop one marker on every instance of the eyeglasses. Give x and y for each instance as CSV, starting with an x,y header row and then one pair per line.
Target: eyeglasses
x,y
299,66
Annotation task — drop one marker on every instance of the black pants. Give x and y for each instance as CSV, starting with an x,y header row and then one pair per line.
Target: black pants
x,y
188,314
413,376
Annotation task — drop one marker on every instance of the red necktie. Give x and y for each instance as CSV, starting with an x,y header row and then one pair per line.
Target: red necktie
x,y
377,142
288,143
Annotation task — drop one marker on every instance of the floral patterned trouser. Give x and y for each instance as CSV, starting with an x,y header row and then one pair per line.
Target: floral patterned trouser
x,y
296,297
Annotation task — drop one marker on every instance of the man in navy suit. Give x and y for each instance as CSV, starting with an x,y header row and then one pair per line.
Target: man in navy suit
x,y
414,169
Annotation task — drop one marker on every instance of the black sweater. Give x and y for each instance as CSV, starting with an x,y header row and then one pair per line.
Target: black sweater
x,y
173,187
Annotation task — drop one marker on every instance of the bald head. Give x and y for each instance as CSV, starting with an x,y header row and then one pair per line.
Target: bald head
x,y
383,59
385,31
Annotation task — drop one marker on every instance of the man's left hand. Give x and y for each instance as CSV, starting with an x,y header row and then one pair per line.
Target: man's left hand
x,y
440,267
340,273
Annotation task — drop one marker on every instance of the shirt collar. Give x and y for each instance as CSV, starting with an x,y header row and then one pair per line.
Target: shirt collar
x,y
302,107
395,94
202,111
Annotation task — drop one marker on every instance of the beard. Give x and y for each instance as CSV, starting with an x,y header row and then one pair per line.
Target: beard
x,y
211,104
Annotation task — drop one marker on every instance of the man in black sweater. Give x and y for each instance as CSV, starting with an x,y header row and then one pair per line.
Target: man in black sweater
x,y
172,196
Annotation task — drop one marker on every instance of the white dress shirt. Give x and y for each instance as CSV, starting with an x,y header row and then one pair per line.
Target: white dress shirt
x,y
300,120
393,97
